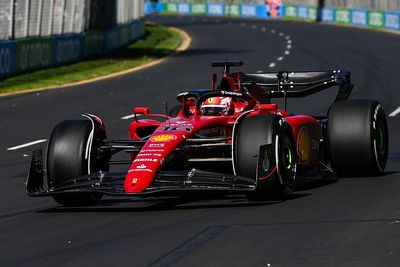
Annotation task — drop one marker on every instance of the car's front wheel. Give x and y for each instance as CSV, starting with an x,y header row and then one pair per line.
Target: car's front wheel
x,y
71,153
265,150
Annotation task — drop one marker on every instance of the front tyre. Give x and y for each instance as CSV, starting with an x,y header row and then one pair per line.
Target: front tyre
x,y
71,153
265,150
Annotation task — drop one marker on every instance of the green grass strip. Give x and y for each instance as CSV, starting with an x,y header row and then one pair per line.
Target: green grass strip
x,y
158,42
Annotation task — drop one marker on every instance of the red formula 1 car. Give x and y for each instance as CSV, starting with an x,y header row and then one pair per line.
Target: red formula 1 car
x,y
229,138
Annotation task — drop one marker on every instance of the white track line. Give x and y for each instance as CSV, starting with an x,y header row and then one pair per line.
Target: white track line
x,y
279,58
287,52
394,113
273,31
264,29
27,144
254,27
288,47
271,65
289,41
130,116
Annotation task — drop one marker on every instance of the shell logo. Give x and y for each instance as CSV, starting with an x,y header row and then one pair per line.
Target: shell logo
x,y
163,138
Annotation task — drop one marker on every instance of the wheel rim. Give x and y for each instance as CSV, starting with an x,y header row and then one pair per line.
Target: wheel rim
x,y
287,160
287,157
380,143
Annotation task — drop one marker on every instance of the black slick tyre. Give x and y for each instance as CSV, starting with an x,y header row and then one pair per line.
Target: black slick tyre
x,y
357,138
265,150
67,159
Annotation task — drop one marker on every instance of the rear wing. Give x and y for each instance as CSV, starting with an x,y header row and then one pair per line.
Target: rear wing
x,y
297,84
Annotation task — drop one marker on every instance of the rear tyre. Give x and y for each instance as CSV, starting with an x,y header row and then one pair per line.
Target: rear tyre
x,y
357,138
265,150
67,160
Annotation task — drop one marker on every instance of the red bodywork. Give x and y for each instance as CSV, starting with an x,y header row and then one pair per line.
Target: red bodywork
x,y
168,135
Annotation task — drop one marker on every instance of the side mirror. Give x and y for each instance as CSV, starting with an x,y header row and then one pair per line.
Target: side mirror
x,y
141,110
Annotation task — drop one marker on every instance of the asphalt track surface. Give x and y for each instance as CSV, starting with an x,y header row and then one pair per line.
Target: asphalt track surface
x,y
352,222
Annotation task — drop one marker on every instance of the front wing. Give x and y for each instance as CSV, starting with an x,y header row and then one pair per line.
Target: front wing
x,y
166,182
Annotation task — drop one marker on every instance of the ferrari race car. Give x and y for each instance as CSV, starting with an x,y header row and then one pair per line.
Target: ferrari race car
x,y
227,139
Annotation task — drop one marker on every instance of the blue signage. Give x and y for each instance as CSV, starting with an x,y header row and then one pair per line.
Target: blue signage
x,y
328,14
248,10
68,49
302,12
392,20
7,58
215,9
184,8
359,17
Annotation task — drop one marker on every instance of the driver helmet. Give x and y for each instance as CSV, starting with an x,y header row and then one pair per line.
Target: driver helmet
x,y
217,106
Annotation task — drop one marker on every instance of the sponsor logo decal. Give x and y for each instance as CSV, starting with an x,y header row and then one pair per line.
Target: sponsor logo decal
x,y
146,160
141,166
149,155
208,131
177,128
163,138
153,150
157,145
141,170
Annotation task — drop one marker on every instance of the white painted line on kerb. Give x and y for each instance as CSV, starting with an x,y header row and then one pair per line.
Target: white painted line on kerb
x,y
27,144
394,113
289,41
271,65
279,58
287,52
288,47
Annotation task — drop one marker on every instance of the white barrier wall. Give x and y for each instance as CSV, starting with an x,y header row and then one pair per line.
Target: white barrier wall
x,y
6,13
33,18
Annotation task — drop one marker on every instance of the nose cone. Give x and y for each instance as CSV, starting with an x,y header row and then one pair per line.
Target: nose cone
x,y
147,164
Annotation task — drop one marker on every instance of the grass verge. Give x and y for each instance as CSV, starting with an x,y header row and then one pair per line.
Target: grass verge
x,y
159,42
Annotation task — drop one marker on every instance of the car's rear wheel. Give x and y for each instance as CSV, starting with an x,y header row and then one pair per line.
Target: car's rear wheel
x,y
357,138
70,155
265,150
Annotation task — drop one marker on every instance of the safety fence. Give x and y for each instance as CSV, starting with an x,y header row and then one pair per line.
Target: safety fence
x,y
60,41
373,18
388,5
